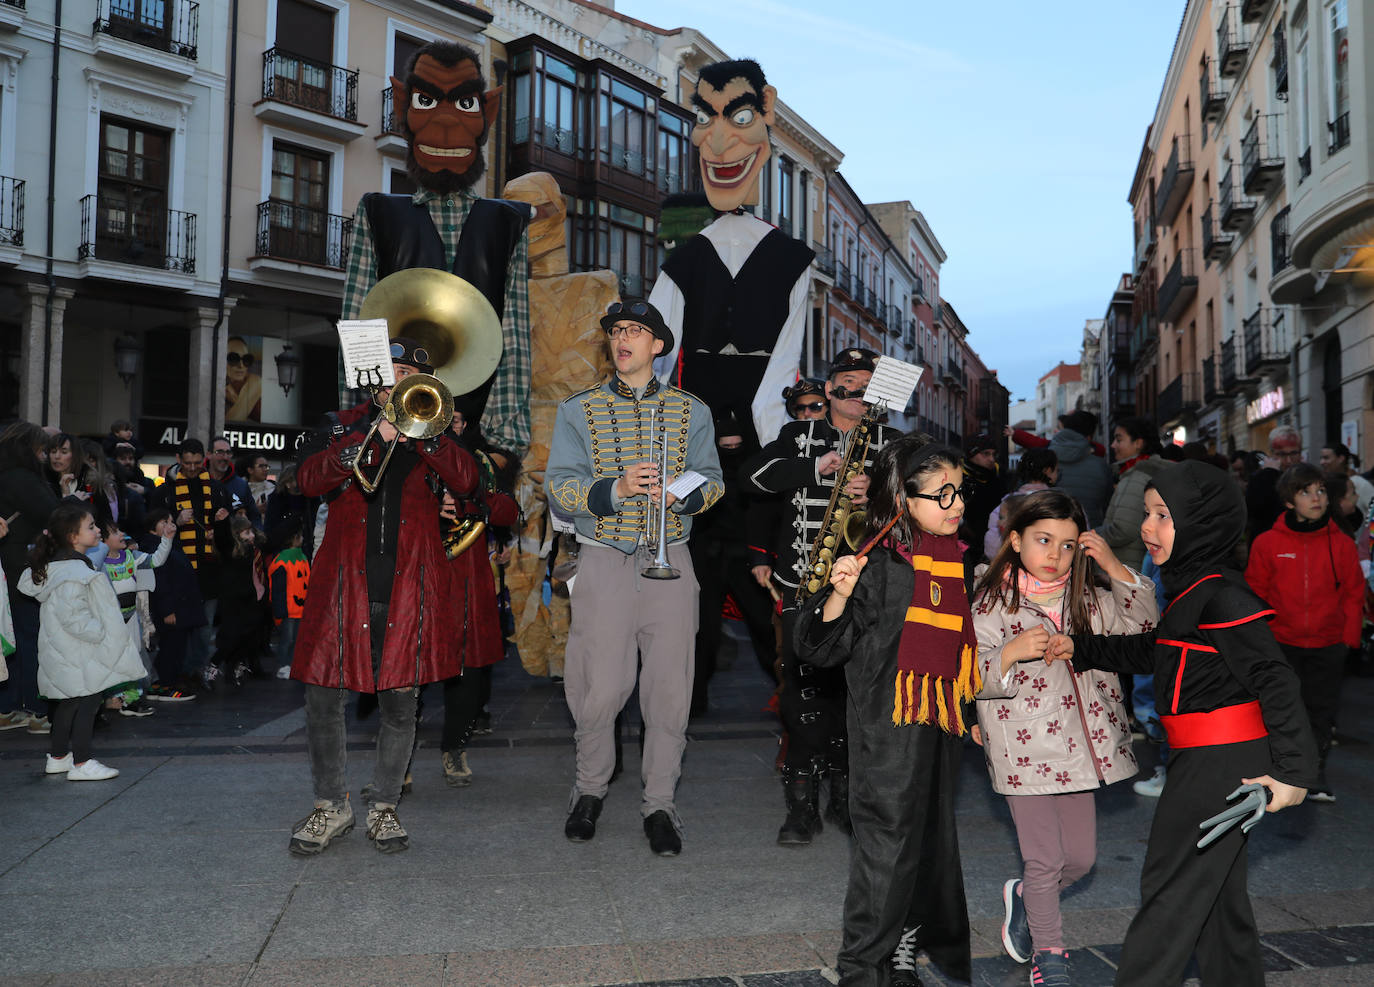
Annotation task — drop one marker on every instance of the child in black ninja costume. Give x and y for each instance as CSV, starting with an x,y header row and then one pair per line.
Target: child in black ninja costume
x,y
1233,712
905,634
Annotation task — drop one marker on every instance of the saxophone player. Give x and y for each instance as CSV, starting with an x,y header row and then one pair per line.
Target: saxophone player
x,y
801,465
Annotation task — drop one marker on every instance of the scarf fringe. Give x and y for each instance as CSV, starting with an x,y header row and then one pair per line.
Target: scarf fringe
x,y
949,697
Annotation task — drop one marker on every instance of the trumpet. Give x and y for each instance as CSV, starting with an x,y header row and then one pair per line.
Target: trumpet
x,y
656,514
420,407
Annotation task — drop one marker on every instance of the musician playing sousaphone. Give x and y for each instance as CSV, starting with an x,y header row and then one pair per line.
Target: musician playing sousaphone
x,y
802,465
606,471
378,618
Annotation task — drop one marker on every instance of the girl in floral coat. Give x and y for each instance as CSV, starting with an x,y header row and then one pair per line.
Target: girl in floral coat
x,y
1050,736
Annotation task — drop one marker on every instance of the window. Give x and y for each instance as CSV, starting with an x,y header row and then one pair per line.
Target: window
x,y
803,207
626,115
131,197
303,63
558,111
674,153
1302,68
401,183
785,195
298,212
139,20
1338,32
625,243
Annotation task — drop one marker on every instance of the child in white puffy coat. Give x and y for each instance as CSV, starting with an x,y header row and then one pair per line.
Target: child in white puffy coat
x,y
84,648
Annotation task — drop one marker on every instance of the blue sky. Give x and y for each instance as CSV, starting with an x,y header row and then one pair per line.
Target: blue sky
x,y
1015,127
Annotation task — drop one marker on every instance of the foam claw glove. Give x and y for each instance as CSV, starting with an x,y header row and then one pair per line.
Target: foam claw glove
x,y
1250,808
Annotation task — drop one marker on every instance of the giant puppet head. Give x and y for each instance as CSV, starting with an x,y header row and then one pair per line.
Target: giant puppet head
x,y
548,211
734,106
444,114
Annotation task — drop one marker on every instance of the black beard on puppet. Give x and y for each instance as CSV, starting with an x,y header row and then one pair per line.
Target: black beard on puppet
x,y
444,182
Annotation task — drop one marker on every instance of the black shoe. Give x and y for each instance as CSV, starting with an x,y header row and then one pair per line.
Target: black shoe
x,y
663,836
837,809
581,824
802,792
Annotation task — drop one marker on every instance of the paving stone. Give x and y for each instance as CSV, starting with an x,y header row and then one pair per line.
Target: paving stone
x,y
1326,947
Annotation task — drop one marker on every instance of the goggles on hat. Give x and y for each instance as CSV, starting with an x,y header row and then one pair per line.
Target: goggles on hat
x,y
420,354
639,309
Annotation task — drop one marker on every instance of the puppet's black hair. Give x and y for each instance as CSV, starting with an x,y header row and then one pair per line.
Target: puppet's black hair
x,y
719,74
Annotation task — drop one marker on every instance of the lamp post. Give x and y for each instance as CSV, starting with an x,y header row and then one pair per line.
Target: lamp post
x,y
288,365
127,353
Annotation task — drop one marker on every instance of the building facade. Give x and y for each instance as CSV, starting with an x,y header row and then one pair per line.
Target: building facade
x,y
1057,392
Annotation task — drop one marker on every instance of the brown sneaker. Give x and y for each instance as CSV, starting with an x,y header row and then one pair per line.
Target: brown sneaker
x,y
317,830
384,828
456,771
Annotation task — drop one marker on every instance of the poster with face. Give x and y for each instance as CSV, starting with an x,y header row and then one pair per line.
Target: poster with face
x,y
252,389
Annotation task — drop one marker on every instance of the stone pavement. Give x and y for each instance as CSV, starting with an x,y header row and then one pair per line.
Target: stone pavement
x,y
177,871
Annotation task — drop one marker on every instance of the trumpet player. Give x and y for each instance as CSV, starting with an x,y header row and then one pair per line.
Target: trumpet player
x,y
605,471
801,465
379,618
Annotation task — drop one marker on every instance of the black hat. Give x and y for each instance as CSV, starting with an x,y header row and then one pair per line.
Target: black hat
x,y
803,387
638,310
853,358
979,443
409,351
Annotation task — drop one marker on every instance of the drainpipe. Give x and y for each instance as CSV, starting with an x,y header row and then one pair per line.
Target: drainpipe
x,y
213,394
52,206
498,70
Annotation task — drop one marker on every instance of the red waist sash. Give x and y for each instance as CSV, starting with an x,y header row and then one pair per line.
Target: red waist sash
x,y
1227,725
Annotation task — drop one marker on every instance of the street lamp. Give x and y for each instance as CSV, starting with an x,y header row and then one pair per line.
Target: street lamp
x,y
288,365
127,353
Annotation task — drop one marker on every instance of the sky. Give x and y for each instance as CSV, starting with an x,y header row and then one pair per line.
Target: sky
x,y
1014,127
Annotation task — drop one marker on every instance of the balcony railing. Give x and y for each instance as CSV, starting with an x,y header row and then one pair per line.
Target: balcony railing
x,y
389,122
147,24
1209,380
1338,131
669,180
1179,285
12,211
1232,371
287,231
1175,182
310,85
918,289
1261,154
111,231
1236,209
1278,242
825,259
1216,243
1179,395
1214,94
628,159
1267,340
16,4
842,278
1232,45
1143,335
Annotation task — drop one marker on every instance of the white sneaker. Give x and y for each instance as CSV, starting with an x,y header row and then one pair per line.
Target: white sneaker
x,y
58,765
91,770
284,672
1153,786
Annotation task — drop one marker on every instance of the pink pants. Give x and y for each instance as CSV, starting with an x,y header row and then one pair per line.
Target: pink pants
x,y
1058,838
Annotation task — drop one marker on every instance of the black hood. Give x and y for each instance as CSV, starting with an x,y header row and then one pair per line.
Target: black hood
x,y
1208,511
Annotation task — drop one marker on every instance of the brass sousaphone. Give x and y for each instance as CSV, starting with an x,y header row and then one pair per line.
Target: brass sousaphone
x,y
456,324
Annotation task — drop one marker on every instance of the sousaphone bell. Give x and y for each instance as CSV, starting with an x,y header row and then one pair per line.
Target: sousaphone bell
x,y
461,332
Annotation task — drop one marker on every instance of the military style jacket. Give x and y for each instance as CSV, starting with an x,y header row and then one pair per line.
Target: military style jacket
x,y
600,431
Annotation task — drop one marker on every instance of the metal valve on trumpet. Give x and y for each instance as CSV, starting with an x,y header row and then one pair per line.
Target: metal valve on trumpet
x,y
656,515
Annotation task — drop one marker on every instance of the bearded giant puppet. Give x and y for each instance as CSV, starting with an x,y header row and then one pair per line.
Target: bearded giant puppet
x,y
445,112
735,294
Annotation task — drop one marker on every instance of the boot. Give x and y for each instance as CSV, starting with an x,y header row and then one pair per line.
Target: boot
x,y
837,809
802,792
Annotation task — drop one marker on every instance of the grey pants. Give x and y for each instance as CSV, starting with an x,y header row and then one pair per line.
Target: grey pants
x,y
619,620
327,737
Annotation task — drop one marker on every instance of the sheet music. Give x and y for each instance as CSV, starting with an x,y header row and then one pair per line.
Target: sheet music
x,y
685,484
893,383
366,349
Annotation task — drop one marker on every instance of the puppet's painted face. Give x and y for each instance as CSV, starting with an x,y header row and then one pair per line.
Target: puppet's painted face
x,y
447,116
731,137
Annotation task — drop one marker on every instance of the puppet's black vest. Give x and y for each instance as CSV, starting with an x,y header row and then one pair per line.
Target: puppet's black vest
x,y
748,310
403,236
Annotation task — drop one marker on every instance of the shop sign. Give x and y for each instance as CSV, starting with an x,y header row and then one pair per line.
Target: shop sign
x,y
164,435
1265,406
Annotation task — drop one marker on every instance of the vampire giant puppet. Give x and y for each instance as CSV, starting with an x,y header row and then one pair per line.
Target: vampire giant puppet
x,y
736,293
445,112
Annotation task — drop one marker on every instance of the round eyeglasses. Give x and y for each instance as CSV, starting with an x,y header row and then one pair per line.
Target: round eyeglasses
x,y
945,495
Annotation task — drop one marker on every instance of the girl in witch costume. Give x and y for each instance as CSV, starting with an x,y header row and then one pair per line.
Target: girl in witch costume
x,y
1232,709
905,631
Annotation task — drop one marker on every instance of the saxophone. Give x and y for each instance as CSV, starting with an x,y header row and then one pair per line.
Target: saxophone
x,y
841,521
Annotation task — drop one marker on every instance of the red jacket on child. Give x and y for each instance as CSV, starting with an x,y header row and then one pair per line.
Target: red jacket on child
x,y
1313,580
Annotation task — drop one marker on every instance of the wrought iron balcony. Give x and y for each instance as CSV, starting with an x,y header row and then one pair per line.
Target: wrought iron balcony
x,y
111,231
12,212
389,122
290,232
1254,10
1214,94
1216,243
1209,380
1233,376
1179,395
1267,340
148,24
1179,286
825,259
1261,154
1278,242
1145,246
1236,209
1232,46
842,278
1175,182
310,85
1144,334
919,288
1338,131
